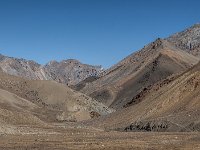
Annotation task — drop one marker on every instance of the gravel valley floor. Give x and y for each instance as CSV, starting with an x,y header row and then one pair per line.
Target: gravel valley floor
x,y
71,138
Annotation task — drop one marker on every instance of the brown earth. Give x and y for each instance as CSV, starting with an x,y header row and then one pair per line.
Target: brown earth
x,y
172,105
52,101
75,139
126,79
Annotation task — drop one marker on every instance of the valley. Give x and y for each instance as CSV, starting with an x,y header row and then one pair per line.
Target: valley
x,y
150,100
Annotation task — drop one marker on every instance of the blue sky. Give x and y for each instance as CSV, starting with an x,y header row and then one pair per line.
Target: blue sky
x,y
98,32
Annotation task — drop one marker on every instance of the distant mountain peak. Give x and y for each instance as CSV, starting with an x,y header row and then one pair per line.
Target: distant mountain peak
x,y
69,71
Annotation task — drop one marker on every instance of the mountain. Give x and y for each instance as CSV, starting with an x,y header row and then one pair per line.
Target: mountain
x,y
170,105
188,40
69,72
154,90
123,81
15,112
163,92
48,101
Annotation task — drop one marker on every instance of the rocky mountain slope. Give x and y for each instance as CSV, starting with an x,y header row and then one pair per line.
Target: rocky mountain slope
x,y
69,72
48,101
123,81
170,105
188,40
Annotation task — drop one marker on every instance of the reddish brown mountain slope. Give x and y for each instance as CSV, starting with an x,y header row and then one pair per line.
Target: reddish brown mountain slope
x,y
126,79
169,106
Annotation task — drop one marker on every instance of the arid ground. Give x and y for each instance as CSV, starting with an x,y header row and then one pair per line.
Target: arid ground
x,y
70,138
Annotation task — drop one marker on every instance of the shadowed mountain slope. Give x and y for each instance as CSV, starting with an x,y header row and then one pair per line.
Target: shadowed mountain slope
x,y
168,106
123,81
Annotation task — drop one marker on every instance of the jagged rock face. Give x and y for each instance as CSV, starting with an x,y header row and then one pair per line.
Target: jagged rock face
x,y
69,72
19,67
188,40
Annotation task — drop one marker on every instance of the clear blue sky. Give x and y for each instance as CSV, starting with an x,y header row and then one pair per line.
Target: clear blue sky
x,y
98,32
